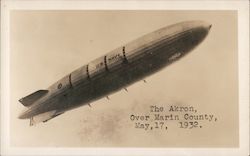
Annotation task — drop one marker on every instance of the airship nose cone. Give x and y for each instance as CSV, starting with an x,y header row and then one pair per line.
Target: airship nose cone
x,y
198,24
200,27
190,35
207,26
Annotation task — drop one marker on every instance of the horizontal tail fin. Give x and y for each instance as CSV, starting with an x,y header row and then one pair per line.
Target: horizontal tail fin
x,y
30,99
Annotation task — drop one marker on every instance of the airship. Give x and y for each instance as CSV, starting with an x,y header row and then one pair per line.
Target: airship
x,y
115,70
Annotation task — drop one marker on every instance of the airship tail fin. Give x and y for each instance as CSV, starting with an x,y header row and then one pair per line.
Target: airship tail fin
x,y
30,99
44,117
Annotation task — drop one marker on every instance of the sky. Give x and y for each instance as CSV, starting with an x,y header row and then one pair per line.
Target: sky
x,y
47,45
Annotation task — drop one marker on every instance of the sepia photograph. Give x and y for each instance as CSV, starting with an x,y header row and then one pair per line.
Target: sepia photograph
x,y
122,79
99,73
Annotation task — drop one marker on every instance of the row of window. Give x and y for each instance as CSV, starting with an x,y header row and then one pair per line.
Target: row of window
x,y
106,63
